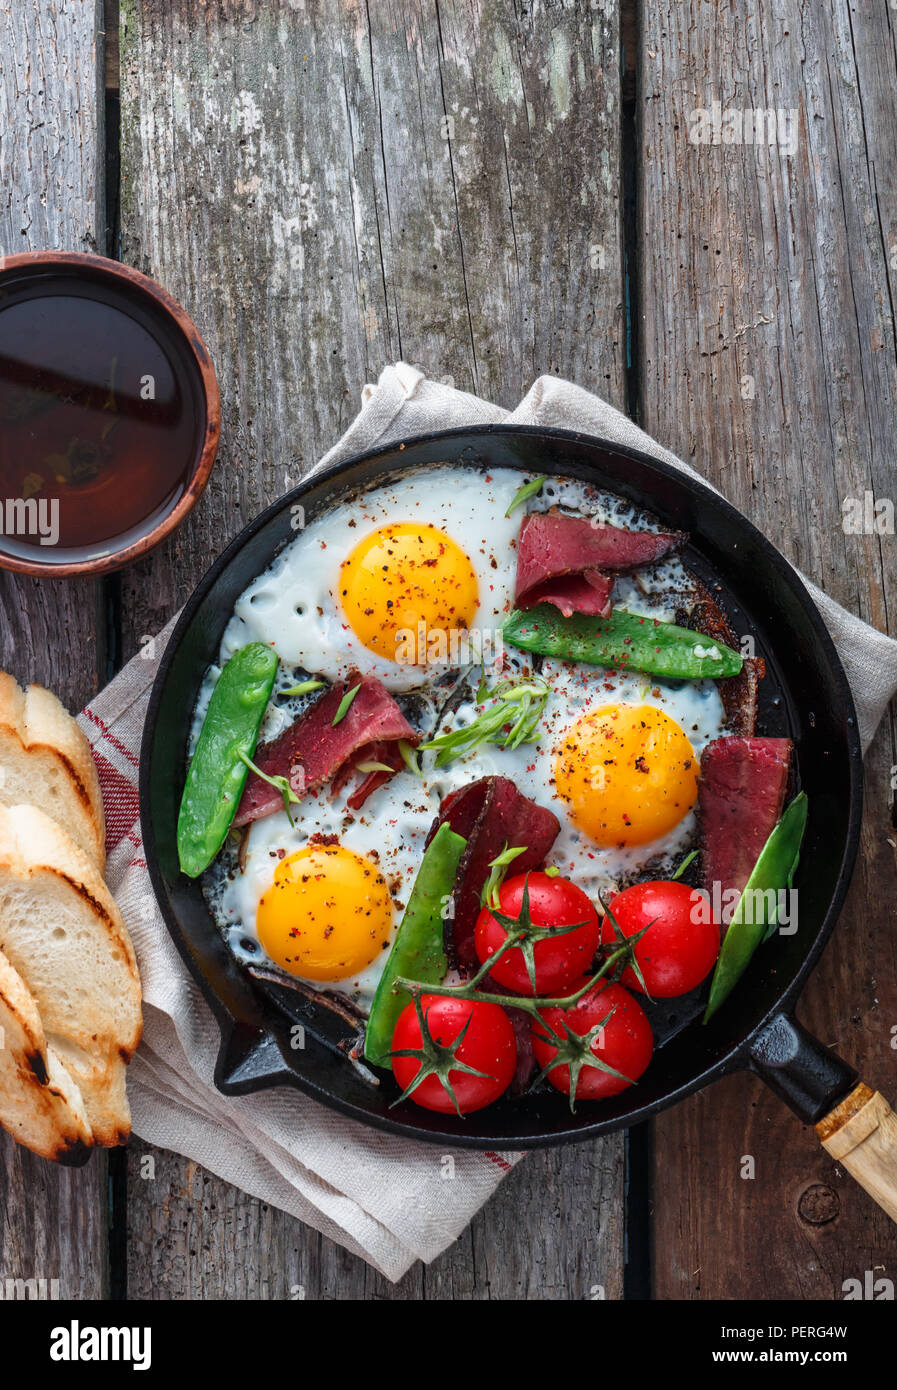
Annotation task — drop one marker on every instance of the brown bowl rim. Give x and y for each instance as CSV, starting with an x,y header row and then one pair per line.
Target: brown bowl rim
x,y
202,468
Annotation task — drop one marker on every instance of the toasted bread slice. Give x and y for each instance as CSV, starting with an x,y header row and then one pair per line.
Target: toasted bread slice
x,y
63,933
40,1104
46,761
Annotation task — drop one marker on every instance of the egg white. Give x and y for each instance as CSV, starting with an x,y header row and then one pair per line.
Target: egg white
x,y
294,606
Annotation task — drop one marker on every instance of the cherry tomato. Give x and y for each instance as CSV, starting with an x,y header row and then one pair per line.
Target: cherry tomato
x,y
553,902
489,1045
625,1043
678,951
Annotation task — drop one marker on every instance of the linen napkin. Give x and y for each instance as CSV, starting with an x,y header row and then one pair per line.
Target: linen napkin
x,y
387,1199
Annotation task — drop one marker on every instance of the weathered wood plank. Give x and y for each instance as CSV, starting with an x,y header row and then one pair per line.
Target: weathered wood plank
x,y
553,1231
328,187
52,196
110,43
51,126
768,359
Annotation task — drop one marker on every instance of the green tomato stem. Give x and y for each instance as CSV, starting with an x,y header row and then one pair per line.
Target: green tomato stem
x,y
527,1003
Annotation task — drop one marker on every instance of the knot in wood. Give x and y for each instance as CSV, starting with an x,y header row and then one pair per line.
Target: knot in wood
x,y
819,1204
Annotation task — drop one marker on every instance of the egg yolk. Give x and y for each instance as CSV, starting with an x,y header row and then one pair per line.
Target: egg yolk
x,y
404,586
327,914
628,774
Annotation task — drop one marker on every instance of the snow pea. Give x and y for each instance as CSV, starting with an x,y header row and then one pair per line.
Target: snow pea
x,y
217,774
418,951
754,918
625,640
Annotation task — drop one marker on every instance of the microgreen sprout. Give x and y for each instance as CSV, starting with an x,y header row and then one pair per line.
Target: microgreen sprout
x,y
498,869
280,783
523,494
685,863
512,720
303,688
344,705
409,757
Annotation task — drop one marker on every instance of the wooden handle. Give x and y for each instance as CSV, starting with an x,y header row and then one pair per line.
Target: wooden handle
x,y
861,1134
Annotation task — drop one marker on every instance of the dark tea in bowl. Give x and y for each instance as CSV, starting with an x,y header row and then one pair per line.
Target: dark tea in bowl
x,y
109,414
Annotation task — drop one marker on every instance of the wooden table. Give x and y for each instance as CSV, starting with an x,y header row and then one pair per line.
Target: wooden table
x,y
492,191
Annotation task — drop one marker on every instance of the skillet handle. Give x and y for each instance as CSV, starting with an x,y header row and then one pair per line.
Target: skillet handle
x,y
808,1077
861,1134
855,1125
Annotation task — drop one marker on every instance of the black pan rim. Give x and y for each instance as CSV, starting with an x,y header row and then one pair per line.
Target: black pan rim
x,y
735,1057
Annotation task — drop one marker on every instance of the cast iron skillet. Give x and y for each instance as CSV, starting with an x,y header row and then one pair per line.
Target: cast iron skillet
x,y
805,695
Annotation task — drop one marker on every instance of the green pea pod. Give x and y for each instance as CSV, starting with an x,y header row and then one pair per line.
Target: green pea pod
x,y
789,883
418,951
774,870
624,640
217,774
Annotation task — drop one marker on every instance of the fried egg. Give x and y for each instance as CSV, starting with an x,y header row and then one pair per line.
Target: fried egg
x,y
341,862
412,580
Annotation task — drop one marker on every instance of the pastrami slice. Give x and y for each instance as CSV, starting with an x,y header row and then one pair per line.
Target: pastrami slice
x,y
569,561
313,749
490,813
740,798
588,593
